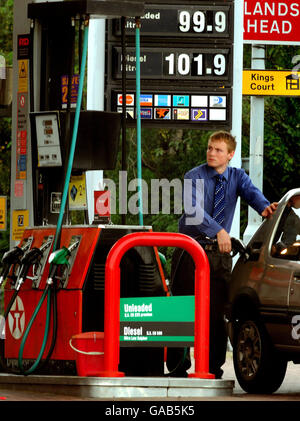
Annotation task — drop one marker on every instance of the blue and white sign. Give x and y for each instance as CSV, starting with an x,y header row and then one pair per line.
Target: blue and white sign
x,y
217,101
181,100
162,100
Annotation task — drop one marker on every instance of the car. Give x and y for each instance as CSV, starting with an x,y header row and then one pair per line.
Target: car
x,y
263,311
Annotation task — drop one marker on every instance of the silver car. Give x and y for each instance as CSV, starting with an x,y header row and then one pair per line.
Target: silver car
x,y
264,301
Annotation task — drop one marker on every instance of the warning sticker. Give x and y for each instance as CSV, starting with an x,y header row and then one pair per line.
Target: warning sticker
x,y
20,220
23,76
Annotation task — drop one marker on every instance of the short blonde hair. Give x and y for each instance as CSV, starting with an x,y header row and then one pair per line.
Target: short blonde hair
x,y
226,137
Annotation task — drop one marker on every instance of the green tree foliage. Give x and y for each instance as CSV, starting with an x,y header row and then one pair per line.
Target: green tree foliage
x,y
6,49
6,29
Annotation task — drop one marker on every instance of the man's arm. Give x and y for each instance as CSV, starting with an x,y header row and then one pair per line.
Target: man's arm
x,y
251,194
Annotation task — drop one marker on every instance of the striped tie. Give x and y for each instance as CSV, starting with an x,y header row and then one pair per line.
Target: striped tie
x,y
219,201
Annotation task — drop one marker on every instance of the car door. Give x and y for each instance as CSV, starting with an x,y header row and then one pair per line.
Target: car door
x,y
281,284
294,292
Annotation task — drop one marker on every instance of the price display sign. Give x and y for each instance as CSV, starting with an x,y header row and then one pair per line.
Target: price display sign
x,y
193,21
209,64
186,65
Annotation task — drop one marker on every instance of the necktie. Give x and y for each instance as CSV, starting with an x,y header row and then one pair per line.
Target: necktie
x,y
219,201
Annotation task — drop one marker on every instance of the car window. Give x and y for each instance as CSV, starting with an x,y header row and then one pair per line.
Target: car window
x,y
286,243
297,212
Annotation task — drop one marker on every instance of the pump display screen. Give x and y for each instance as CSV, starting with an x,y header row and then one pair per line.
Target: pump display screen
x,y
48,141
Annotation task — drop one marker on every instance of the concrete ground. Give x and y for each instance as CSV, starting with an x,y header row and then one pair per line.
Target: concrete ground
x,y
289,390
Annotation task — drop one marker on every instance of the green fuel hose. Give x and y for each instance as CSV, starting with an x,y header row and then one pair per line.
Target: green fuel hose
x,y
138,118
47,291
74,138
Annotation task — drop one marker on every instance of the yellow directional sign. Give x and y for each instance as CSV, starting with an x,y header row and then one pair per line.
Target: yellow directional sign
x,y
271,82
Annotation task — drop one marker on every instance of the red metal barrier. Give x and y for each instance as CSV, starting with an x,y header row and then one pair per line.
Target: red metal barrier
x,y
112,298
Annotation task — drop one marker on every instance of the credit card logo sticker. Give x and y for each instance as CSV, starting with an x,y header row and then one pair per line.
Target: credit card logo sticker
x,y
146,113
162,100
146,100
199,114
163,113
129,112
217,114
217,101
199,100
181,114
181,100
129,99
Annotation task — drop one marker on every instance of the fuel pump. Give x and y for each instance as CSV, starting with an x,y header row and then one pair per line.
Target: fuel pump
x,y
57,258
29,259
72,281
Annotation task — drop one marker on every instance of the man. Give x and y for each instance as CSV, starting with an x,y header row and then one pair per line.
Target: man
x,y
222,186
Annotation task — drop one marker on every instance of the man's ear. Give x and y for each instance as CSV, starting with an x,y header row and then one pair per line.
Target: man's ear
x,y
230,155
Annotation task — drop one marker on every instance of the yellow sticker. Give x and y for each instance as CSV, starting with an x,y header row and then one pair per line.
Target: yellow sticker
x,y
3,213
20,220
23,76
77,192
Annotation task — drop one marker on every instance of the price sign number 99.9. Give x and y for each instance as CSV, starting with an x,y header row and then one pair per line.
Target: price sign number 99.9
x,y
196,21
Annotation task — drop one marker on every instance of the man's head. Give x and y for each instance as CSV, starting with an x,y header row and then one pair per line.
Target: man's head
x,y
220,150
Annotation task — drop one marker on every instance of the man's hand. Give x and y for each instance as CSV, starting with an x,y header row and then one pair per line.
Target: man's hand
x,y
269,210
224,241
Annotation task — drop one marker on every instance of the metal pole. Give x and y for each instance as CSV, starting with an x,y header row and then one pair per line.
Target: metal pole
x,y
138,119
95,98
237,99
123,186
256,159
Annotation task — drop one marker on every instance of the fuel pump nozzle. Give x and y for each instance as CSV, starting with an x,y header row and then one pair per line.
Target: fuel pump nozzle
x,y
29,259
60,257
11,257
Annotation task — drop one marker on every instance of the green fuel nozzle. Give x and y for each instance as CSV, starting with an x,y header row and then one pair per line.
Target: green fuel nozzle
x,y
60,257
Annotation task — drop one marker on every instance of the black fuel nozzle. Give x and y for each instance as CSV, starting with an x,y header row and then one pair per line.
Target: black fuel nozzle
x,y
29,259
9,258
239,247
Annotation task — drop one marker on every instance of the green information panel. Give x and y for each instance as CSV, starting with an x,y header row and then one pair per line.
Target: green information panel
x,y
157,321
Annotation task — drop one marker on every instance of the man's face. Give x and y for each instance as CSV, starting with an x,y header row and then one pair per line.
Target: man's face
x,y
218,155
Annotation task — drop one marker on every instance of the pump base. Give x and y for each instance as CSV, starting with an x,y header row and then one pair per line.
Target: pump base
x,y
119,388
